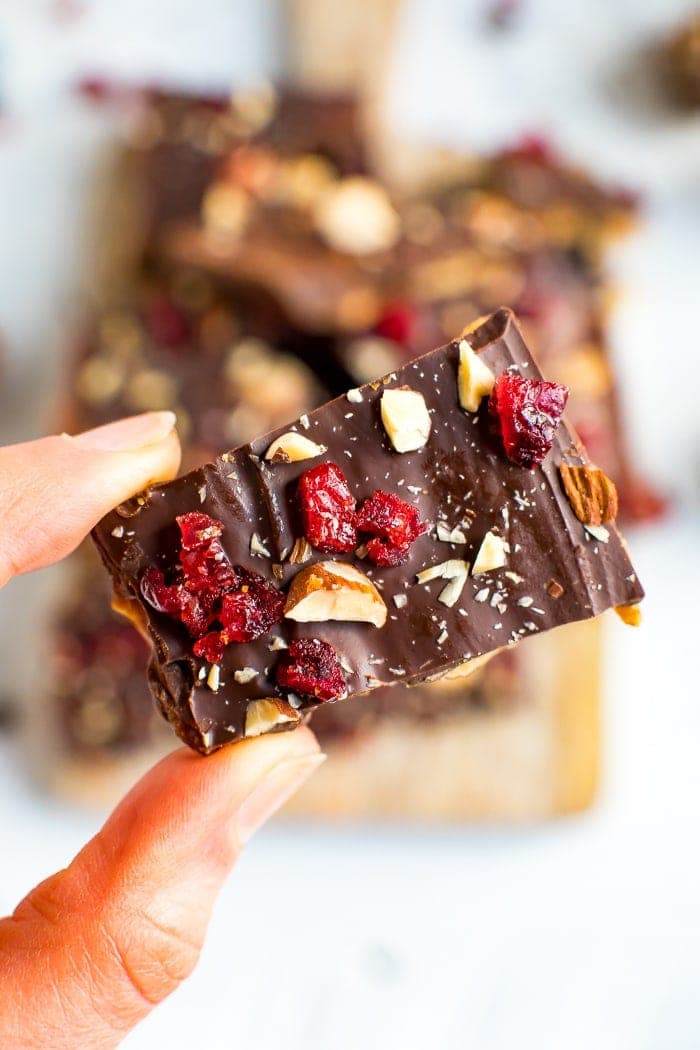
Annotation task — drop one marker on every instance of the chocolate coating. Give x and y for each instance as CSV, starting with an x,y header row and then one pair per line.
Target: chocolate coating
x,y
460,477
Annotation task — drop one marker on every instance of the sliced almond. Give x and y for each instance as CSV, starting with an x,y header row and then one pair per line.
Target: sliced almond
x,y
475,380
355,215
492,554
293,447
447,535
301,551
262,716
598,532
406,418
455,570
333,590
450,594
257,547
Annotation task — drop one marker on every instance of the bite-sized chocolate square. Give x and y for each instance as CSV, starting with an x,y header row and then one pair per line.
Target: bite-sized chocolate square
x,y
417,524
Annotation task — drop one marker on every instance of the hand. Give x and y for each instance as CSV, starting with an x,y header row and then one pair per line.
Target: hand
x,y
92,949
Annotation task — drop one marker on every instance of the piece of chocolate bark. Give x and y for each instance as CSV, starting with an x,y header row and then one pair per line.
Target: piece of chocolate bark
x,y
379,278
227,368
365,545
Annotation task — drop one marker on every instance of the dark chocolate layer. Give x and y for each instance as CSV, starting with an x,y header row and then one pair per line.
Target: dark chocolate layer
x,y
461,478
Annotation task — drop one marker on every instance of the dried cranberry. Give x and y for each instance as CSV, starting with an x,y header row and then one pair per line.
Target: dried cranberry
x,y
245,615
310,667
205,566
210,647
527,412
175,600
386,555
327,509
397,322
393,524
217,602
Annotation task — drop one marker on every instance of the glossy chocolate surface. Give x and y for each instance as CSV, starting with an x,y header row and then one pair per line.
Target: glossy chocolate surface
x,y
461,477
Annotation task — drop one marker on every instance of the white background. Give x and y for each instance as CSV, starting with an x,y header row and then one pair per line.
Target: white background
x,y
582,934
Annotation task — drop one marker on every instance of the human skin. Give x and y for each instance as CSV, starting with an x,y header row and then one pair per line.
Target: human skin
x,y
91,950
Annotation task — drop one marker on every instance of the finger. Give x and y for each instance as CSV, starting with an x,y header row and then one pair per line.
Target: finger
x,y
90,951
55,489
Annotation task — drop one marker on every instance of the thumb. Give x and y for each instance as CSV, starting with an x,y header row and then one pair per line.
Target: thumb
x,y
92,949
55,489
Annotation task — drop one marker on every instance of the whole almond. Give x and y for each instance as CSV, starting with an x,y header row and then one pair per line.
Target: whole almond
x,y
591,493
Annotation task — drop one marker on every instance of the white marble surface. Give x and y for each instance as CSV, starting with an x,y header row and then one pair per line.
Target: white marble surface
x,y
581,934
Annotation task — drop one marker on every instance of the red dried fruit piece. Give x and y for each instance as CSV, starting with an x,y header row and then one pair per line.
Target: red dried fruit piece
x,y
310,667
397,322
210,647
204,562
211,593
327,509
386,555
393,523
175,600
251,611
527,413
245,615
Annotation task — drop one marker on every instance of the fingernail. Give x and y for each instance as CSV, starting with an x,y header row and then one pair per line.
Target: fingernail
x,y
129,435
277,785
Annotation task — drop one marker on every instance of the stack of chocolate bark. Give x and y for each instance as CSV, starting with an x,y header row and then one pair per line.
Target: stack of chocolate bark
x,y
267,261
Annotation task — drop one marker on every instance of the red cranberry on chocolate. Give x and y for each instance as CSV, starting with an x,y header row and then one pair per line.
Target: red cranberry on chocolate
x,y
217,602
311,668
245,615
527,413
393,525
327,509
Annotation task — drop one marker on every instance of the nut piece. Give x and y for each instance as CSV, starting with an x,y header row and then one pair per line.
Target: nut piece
x,y
475,380
444,570
262,716
554,589
406,418
598,532
357,216
492,554
257,547
455,570
300,552
244,675
333,590
629,614
292,447
591,493
447,535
